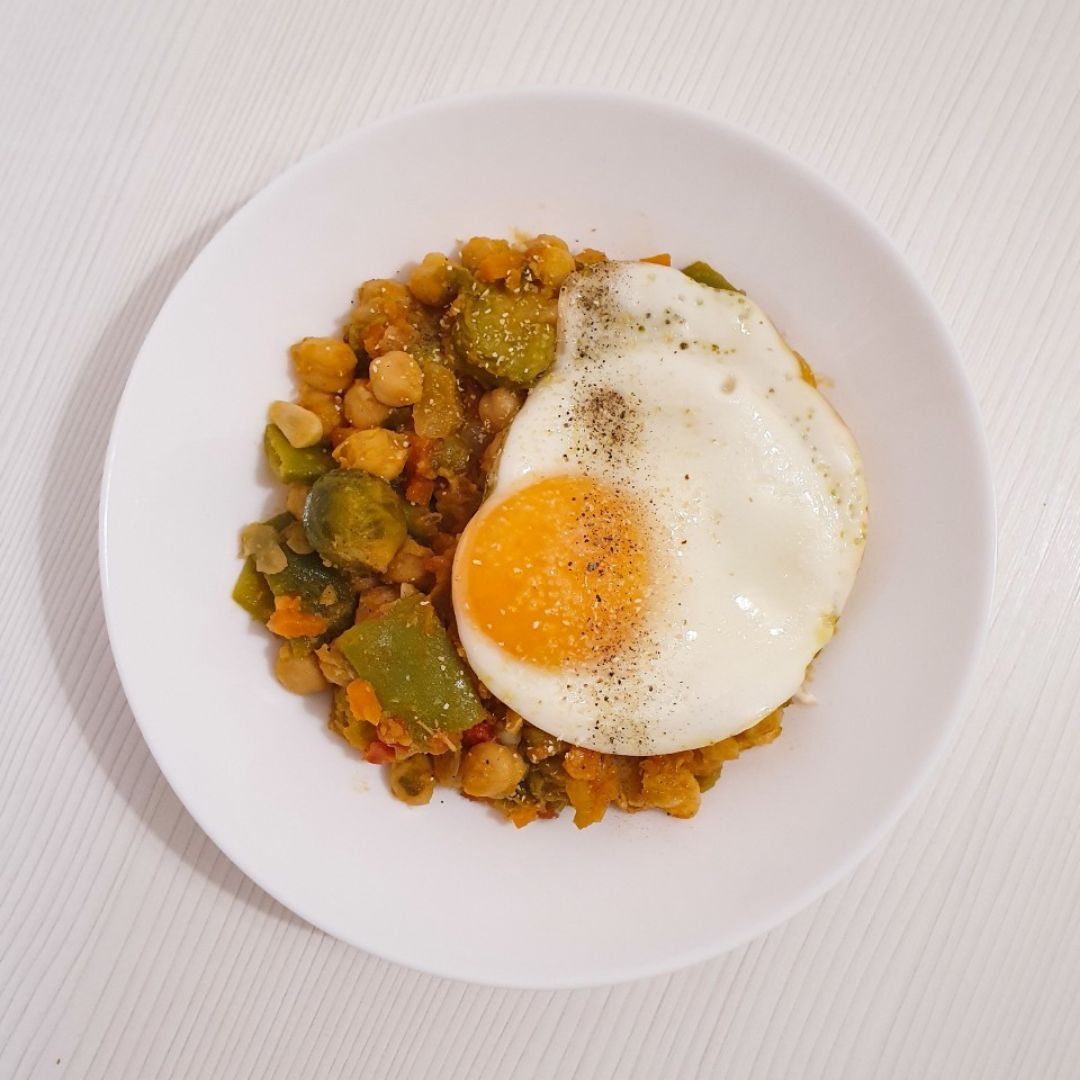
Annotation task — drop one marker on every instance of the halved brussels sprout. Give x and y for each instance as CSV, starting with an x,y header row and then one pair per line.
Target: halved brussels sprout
x,y
354,520
502,338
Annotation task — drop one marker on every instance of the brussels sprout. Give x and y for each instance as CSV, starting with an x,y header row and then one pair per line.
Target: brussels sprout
x,y
293,466
502,338
406,654
354,520
704,274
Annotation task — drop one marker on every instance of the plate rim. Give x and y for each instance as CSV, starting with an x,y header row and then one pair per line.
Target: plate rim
x,y
985,558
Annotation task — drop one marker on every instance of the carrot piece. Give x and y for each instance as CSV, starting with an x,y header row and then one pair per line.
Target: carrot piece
x,y
659,260
363,701
290,621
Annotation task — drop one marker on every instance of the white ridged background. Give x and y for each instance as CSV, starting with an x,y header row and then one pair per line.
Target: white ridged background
x,y
129,946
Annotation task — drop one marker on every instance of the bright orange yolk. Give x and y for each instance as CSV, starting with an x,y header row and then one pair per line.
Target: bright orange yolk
x,y
555,573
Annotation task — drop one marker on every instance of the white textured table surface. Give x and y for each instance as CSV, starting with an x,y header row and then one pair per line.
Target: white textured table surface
x,y
129,946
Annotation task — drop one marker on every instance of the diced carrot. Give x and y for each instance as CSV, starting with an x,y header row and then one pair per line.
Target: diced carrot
x,y
659,260
291,621
363,701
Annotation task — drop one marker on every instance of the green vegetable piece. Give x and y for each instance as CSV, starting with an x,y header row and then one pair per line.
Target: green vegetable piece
x,y
252,593
422,523
502,338
450,456
354,520
406,654
356,732
292,466
322,589
438,413
704,274
280,522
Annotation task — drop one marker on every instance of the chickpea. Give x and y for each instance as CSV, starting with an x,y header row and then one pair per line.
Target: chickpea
x,y
479,248
327,407
377,451
490,770
296,499
669,787
498,407
430,282
409,564
582,764
379,290
412,780
335,668
362,409
396,379
299,425
325,364
299,674
493,260
550,260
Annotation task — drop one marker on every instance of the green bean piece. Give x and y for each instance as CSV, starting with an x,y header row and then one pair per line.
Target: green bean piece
x,y
252,593
293,466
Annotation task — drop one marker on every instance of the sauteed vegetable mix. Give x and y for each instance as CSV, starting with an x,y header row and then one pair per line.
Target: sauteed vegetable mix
x,y
385,455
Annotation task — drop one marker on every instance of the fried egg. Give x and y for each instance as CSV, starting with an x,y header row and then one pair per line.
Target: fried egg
x,y
675,523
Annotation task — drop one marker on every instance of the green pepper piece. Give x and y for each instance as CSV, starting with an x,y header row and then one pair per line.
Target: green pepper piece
x,y
502,338
252,593
354,520
704,274
309,578
292,466
406,654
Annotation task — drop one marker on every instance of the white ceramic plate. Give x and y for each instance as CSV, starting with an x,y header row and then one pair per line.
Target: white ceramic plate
x,y
450,888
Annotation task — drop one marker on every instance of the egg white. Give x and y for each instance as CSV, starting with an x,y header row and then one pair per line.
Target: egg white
x,y
754,510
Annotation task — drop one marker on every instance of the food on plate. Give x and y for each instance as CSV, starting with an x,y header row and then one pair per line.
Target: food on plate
x,y
559,530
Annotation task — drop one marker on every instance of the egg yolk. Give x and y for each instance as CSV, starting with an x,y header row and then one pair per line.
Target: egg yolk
x,y
555,573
